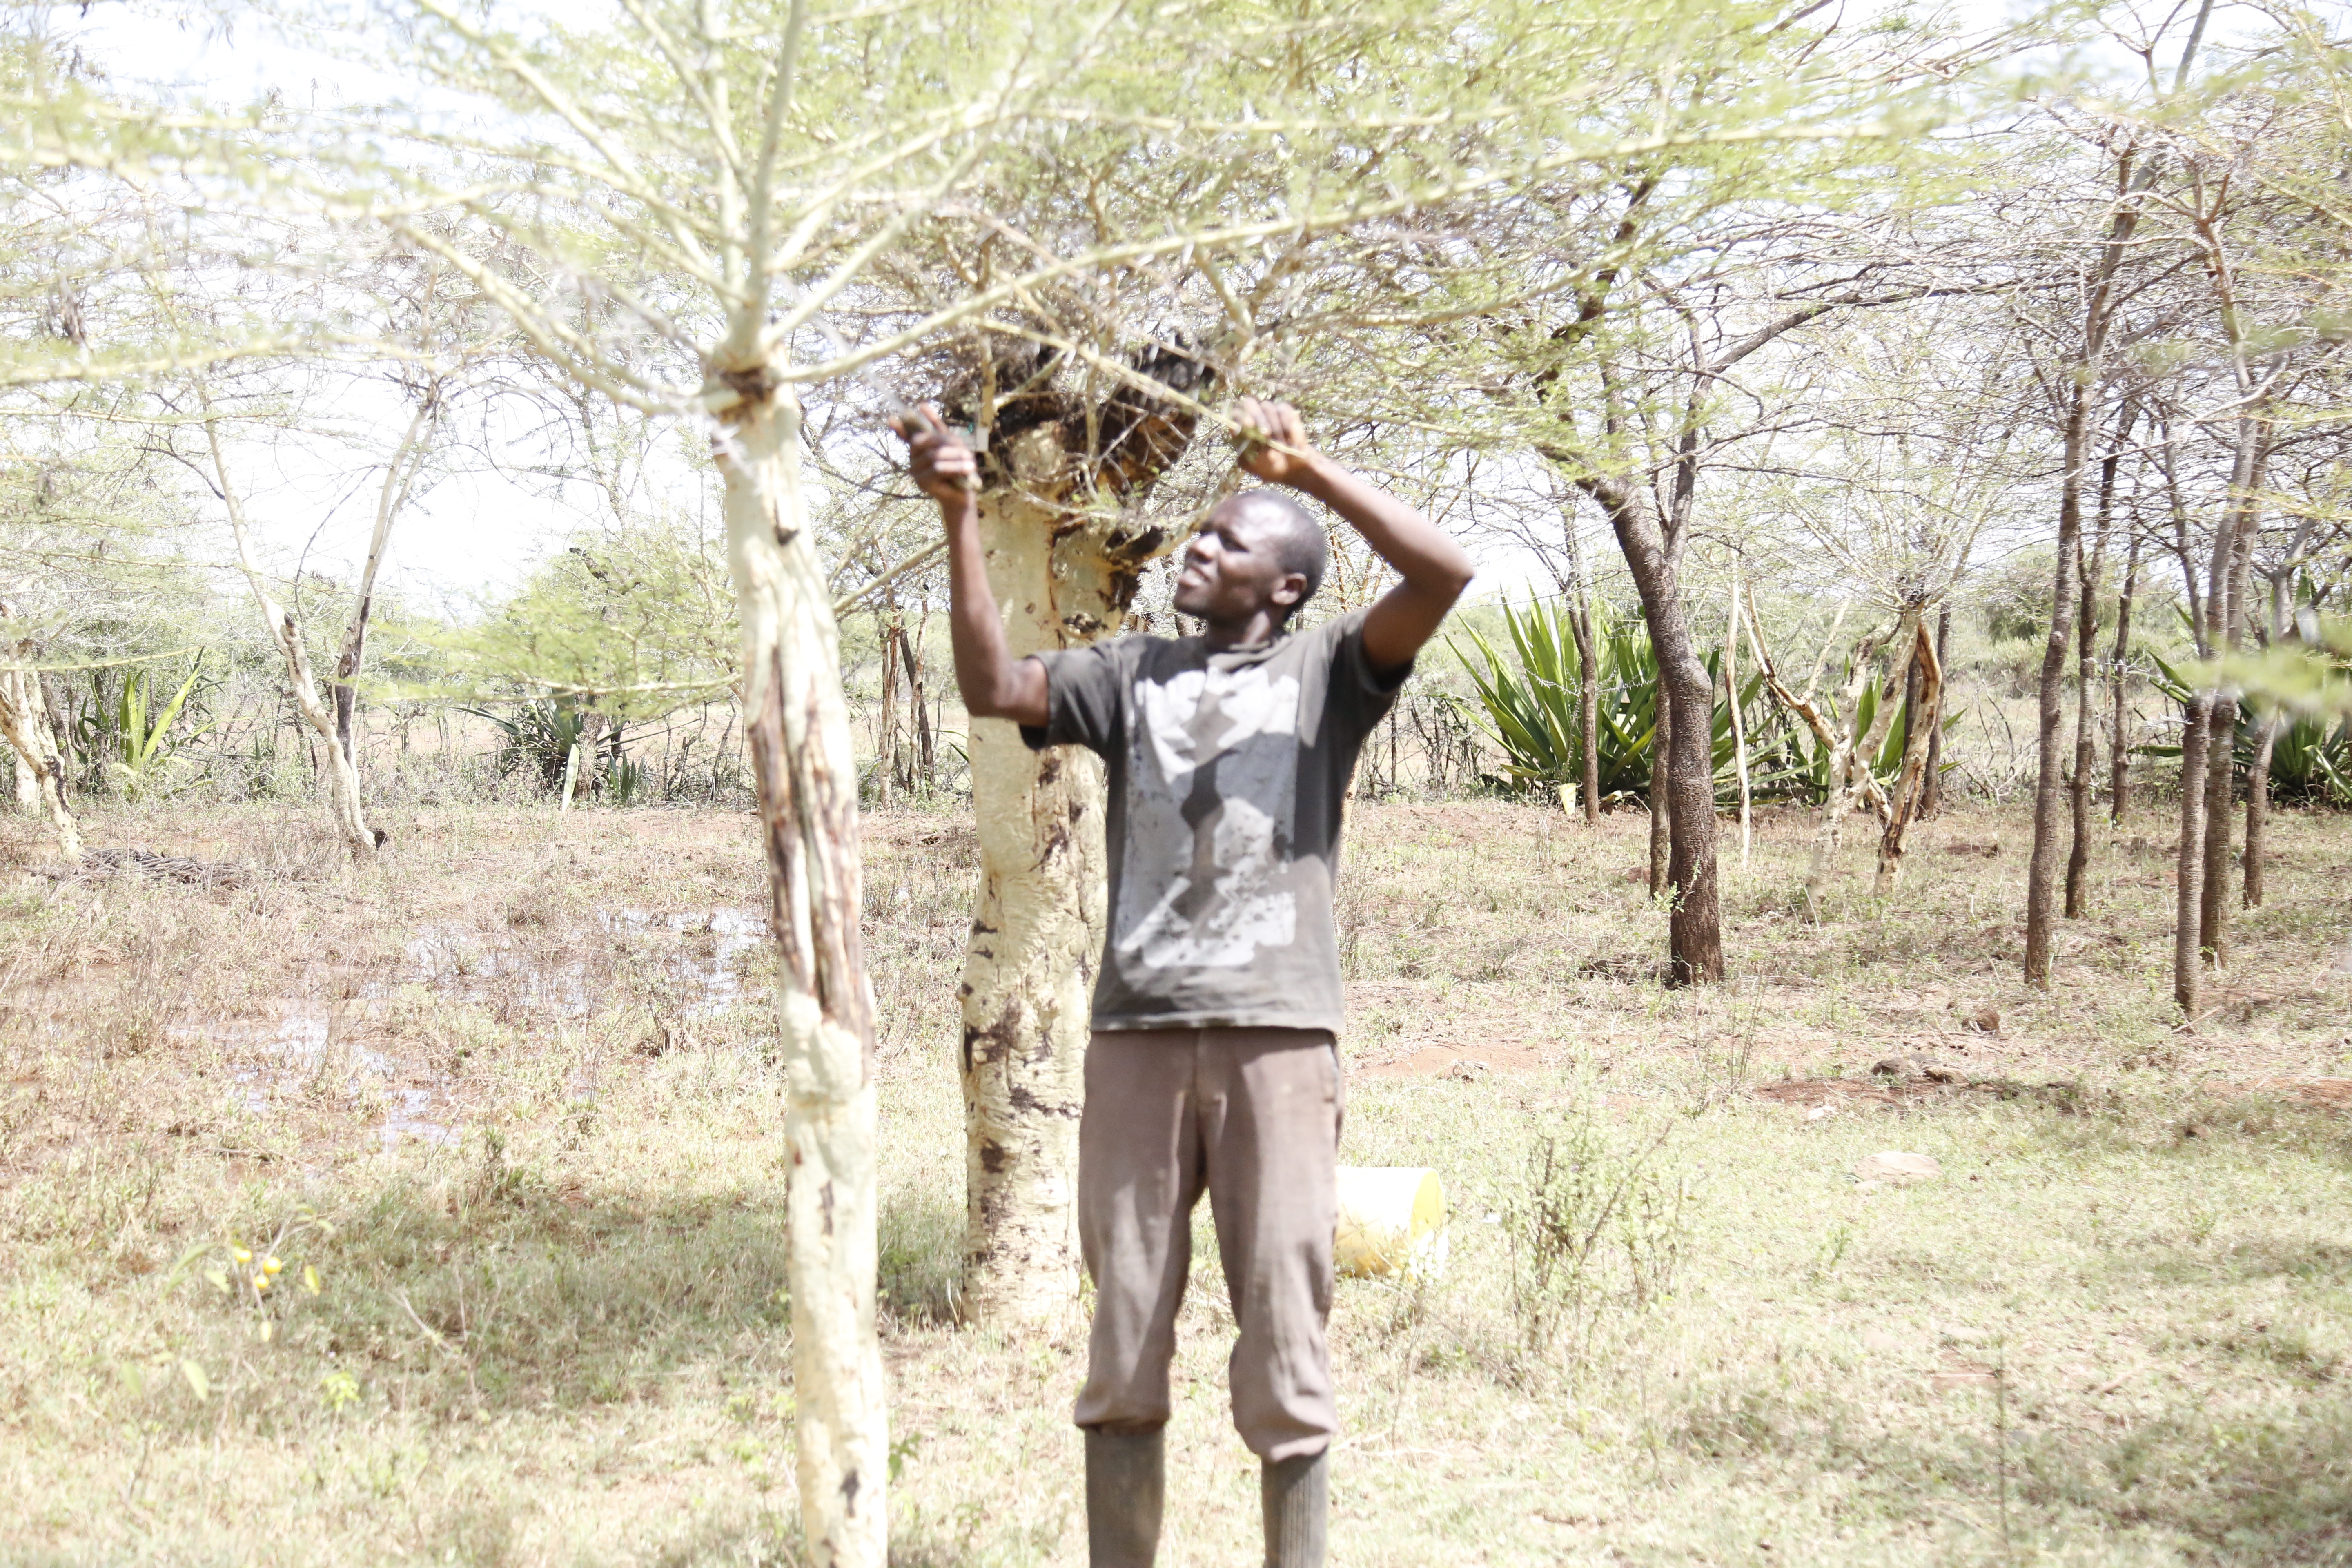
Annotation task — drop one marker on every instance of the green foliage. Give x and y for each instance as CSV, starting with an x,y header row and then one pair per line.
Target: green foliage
x,y
637,624
127,739
2311,758
1596,1224
1528,707
541,736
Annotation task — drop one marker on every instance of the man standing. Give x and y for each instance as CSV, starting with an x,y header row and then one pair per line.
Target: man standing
x,y
1213,1063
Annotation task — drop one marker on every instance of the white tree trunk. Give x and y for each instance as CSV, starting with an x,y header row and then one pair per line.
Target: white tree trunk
x,y
37,761
797,727
1037,936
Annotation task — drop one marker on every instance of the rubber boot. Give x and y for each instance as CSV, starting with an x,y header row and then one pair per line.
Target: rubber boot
x,y
1126,1475
1296,1494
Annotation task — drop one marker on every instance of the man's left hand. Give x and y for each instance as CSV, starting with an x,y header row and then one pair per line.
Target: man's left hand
x,y
1265,429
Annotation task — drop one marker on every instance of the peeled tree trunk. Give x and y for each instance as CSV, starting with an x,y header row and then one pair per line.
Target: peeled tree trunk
x,y
29,777
1036,937
1850,781
796,726
1063,573
23,722
1925,709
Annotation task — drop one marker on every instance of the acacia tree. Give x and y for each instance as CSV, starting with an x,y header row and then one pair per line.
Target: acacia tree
x,y
432,331
671,210
1697,267
1659,368
1905,458
2213,172
1286,309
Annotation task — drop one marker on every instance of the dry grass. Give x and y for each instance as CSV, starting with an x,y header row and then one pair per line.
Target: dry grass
x,y
521,1073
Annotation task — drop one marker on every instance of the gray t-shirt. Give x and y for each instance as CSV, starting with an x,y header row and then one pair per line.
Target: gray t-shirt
x,y
1227,774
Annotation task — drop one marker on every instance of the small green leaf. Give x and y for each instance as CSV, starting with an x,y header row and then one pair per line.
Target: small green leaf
x,y
198,1384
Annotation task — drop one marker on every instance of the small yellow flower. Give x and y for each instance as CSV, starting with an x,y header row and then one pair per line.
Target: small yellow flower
x,y
240,1254
270,1265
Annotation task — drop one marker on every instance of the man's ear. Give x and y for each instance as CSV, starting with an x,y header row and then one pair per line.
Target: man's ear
x,y
1288,590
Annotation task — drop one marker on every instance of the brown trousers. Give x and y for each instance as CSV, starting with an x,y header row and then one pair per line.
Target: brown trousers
x,y
1252,1115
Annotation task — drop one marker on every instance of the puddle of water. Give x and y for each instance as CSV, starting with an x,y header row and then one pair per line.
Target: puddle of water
x,y
712,972
451,958
407,1119
703,961
296,1052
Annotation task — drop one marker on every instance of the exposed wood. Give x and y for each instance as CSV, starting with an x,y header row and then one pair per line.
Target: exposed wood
x,y
40,767
1064,566
796,727
1848,784
1925,708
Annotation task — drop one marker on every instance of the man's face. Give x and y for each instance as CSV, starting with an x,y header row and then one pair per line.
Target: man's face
x,y
1233,567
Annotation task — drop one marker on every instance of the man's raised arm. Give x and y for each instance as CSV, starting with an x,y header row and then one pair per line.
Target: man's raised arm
x,y
1435,570
994,684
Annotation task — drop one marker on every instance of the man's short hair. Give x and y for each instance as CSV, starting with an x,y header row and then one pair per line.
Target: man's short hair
x,y
1297,538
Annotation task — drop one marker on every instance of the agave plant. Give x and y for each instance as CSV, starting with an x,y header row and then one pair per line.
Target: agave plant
x,y
542,736
1529,706
2311,758
131,738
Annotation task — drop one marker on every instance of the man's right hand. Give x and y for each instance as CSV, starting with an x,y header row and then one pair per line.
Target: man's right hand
x,y
944,465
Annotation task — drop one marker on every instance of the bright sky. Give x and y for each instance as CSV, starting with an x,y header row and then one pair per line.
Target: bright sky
x,y
476,533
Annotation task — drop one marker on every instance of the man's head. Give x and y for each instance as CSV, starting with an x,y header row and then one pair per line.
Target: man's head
x,y
1257,551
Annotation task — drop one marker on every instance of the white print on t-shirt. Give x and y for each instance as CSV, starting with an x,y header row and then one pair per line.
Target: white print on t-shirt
x,y
1211,787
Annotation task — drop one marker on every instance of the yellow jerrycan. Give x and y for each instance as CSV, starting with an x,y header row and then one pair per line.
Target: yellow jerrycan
x,y
1392,1222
